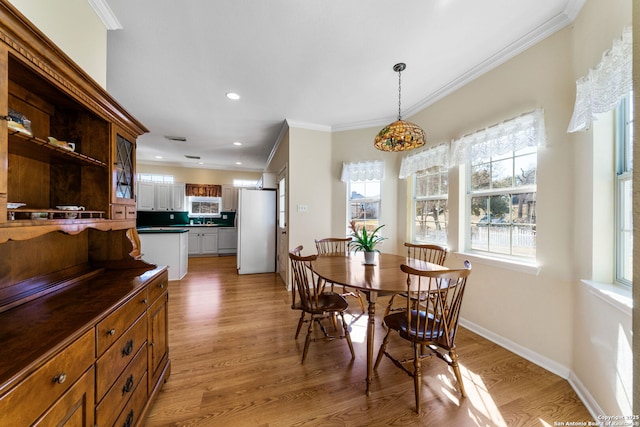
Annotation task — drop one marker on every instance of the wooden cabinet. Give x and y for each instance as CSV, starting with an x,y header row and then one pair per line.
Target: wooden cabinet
x,y
79,149
203,241
74,323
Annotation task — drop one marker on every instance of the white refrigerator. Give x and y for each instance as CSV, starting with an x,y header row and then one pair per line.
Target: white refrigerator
x,y
256,221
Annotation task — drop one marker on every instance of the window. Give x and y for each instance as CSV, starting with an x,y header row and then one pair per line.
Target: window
x,y
502,203
282,203
430,205
624,195
501,163
363,193
149,177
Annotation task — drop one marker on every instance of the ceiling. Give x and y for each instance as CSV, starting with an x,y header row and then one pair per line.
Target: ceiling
x,y
324,65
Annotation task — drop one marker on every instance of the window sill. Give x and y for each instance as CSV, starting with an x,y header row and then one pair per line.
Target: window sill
x,y
618,296
523,267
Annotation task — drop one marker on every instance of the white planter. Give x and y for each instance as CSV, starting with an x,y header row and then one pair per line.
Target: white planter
x,y
369,258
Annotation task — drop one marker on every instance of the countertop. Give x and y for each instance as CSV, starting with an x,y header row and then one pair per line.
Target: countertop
x,y
149,230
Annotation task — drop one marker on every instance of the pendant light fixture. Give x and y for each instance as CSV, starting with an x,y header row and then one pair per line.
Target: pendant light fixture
x,y
400,135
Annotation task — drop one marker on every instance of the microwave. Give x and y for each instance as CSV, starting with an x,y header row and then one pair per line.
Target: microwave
x,y
204,206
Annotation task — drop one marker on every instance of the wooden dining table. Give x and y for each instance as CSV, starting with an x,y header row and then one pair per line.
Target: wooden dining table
x,y
383,276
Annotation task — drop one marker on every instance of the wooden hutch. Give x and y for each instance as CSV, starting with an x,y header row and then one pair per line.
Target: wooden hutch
x,y
83,324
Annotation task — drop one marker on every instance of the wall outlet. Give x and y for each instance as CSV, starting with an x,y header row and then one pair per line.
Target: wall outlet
x,y
303,208
170,216
224,217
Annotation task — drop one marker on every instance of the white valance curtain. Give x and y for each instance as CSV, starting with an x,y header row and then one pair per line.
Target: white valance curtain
x,y
526,130
363,171
425,159
605,85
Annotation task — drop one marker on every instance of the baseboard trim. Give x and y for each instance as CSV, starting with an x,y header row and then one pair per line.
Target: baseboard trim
x,y
540,360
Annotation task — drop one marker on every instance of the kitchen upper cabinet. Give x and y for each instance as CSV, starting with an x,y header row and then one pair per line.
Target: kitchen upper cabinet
x,y
157,196
146,196
178,197
229,198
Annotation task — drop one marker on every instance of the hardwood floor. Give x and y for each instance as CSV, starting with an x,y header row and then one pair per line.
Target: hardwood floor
x,y
235,363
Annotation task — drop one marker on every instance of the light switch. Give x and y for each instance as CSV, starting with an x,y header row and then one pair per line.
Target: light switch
x,y
303,208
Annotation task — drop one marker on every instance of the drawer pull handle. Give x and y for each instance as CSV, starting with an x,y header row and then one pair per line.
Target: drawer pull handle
x,y
144,301
60,378
129,421
161,286
128,386
111,332
128,348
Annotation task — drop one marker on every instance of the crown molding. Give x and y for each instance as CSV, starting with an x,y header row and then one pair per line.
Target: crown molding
x,y
106,15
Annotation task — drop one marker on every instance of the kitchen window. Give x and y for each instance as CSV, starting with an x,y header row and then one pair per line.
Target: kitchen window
x,y
204,206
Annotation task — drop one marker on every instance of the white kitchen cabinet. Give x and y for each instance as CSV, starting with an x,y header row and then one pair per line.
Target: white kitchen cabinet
x,y
146,196
166,248
158,196
178,191
203,241
227,240
163,197
229,198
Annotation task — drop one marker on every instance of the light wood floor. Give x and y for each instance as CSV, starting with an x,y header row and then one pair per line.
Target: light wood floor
x,y
235,363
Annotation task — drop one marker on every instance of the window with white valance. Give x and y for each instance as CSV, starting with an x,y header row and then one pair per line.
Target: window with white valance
x,y
424,160
363,171
526,130
605,85
364,200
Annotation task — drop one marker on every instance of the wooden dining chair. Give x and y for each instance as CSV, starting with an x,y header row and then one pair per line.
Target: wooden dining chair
x,y
338,246
434,254
320,305
431,325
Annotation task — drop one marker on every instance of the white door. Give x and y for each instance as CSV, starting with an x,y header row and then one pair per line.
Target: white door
x,y
283,218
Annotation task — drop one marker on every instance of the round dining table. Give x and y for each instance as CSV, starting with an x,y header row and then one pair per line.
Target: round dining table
x,y
383,276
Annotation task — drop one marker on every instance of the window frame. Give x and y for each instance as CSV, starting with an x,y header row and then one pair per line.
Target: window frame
x,y
441,196
624,176
375,222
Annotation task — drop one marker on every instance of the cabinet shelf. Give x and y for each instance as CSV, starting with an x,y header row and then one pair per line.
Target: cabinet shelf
x,y
39,149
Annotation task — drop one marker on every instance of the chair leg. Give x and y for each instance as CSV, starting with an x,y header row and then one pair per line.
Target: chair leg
x,y
348,336
300,322
417,375
383,348
388,309
456,371
307,341
359,296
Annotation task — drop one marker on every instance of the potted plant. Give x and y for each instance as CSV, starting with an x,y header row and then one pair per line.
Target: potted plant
x,y
365,241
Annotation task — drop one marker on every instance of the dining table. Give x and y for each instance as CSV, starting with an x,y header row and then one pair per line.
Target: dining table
x,y
383,276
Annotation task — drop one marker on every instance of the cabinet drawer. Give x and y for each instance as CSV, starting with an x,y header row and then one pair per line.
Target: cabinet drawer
x,y
113,362
131,212
130,415
158,287
27,401
75,407
115,400
118,212
114,325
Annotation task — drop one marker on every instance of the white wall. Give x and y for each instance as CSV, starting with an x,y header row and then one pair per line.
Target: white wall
x,y
74,27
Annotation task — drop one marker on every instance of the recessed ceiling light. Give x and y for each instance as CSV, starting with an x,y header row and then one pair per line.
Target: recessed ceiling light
x,y
159,157
201,163
237,143
238,163
232,95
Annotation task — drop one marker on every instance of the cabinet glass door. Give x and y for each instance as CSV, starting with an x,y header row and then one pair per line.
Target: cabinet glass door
x,y
124,168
